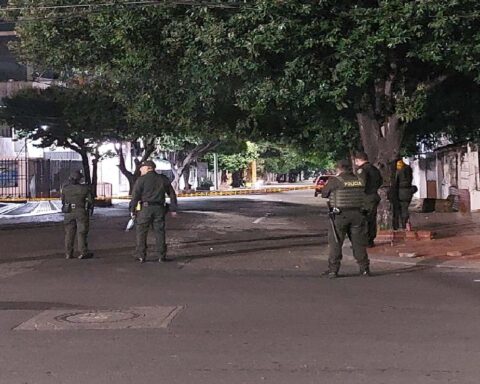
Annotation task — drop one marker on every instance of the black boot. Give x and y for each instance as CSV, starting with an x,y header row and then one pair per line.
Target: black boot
x,y
330,274
365,272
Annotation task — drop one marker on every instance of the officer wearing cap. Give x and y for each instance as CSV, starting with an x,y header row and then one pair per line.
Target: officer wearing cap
x,y
77,206
149,209
346,197
372,180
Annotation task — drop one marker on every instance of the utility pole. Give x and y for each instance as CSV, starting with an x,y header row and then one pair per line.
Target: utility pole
x,y
215,171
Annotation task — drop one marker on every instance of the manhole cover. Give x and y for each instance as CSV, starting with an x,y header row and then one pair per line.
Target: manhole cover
x,y
76,319
97,317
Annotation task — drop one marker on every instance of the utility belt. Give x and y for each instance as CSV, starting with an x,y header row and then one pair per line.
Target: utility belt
x,y
152,204
337,211
70,207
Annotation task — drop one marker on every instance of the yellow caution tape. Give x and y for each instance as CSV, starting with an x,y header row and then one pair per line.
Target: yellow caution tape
x,y
189,194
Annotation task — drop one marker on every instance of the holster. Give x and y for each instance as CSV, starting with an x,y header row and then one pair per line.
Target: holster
x,y
67,208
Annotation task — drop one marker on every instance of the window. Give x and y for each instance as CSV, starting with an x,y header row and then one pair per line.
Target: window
x,y
5,132
8,173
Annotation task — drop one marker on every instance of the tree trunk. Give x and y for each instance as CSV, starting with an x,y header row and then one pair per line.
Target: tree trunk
x,y
186,177
177,174
133,176
86,167
123,168
180,160
95,160
382,143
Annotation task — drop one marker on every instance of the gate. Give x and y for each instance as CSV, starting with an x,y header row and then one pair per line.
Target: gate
x,y
34,178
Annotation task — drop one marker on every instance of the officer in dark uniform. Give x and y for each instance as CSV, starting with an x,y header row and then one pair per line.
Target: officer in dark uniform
x,y
372,180
402,194
149,209
346,202
77,205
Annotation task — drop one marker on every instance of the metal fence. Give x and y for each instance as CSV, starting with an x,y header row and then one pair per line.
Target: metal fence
x,y
34,178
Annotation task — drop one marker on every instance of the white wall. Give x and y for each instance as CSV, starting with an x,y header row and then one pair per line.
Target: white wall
x,y
419,176
6,148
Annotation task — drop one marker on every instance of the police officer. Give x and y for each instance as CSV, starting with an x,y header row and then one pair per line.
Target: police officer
x,y
149,209
77,205
372,180
346,202
402,195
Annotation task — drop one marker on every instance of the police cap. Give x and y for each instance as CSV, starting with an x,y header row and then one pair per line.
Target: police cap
x,y
76,176
344,165
148,163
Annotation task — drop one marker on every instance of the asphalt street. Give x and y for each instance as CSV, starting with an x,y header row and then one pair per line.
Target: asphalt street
x,y
242,301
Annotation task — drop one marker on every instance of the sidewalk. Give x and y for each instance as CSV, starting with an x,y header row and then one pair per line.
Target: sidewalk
x,y
456,242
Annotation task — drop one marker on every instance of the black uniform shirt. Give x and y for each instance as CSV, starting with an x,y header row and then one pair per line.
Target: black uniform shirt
x,y
404,177
371,178
151,188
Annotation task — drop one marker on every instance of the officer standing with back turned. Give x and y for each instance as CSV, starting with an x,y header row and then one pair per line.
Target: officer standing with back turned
x,y
77,205
346,197
372,181
149,209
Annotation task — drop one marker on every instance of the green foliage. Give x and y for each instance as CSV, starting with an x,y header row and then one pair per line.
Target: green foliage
x,y
308,68
282,159
237,161
282,71
76,118
141,55
453,112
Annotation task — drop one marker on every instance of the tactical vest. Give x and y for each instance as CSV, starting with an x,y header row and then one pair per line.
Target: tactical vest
x,y
350,195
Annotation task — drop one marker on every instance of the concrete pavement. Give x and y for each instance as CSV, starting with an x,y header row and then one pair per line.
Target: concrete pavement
x,y
251,307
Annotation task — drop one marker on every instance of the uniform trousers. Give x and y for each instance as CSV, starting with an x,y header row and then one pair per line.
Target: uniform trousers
x,y
151,216
76,224
353,224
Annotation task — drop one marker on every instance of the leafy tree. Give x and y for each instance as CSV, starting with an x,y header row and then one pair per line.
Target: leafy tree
x,y
80,119
452,113
307,68
144,56
237,156
281,159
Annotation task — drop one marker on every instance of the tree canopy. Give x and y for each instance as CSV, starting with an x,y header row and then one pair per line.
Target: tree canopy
x,y
338,74
80,119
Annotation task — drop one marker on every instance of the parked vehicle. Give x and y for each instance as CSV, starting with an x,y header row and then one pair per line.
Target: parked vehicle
x,y
320,182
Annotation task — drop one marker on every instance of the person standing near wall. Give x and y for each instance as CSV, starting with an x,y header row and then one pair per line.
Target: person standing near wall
x,y
402,195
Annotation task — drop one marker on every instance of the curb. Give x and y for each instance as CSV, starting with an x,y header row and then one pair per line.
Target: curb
x,y
428,263
395,236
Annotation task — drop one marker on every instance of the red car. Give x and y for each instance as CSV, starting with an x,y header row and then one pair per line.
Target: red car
x,y
320,182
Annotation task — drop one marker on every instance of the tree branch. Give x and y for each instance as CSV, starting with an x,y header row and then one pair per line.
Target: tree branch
x,y
428,85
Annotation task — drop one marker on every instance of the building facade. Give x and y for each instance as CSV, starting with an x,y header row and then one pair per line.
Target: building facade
x,y
450,172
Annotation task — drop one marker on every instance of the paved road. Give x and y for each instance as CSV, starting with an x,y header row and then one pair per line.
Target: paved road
x,y
242,302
